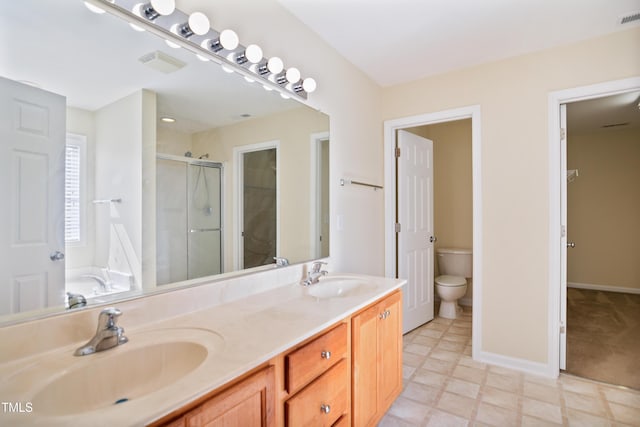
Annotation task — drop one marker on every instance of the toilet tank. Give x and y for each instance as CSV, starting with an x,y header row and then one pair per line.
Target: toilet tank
x,y
455,261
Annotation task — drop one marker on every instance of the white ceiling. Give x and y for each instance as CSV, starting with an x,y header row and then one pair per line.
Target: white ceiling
x,y
396,41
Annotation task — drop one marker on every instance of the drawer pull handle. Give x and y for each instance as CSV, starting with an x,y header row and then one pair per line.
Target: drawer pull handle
x,y
326,354
325,409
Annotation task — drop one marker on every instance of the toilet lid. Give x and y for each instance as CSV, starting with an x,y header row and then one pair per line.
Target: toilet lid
x,y
451,280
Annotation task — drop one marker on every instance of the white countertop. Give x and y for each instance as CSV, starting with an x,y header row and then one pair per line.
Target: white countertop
x,y
247,332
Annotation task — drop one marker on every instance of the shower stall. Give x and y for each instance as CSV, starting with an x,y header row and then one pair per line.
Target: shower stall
x,y
188,218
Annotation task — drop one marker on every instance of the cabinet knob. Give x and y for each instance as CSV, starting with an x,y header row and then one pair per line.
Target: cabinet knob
x,y
326,354
325,409
384,314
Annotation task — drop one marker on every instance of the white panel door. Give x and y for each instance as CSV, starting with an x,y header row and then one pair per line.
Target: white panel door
x,y
415,240
32,144
563,237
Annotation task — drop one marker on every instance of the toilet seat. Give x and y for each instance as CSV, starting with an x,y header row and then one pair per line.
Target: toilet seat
x,y
451,281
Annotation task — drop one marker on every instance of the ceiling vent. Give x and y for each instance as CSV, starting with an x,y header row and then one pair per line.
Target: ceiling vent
x,y
630,17
162,62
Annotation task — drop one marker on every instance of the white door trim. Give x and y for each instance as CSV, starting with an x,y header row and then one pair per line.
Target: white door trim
x,y
555,209
390,128
238,182
316,140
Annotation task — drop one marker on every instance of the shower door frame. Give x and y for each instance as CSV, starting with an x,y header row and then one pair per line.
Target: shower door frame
x,y
207,163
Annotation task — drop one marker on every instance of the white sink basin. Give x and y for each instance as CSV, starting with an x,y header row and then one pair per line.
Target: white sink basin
x,y
337,287
149,362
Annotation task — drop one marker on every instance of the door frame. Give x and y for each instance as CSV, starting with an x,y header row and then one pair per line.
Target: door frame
x,y
390,197
316,140
558,169
238,183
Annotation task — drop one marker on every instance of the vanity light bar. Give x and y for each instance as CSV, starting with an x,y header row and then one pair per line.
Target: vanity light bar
x,y
193,32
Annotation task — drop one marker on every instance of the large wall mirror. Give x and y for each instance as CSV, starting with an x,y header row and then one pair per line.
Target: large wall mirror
x,y
130,167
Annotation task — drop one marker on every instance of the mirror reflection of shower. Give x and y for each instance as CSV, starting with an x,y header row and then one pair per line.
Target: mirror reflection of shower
x,y
189,217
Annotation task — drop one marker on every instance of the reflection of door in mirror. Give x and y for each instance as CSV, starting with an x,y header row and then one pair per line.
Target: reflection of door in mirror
x,y
324,198
32,141
259,188
188,219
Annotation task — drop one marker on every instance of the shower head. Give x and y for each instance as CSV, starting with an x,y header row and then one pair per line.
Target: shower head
x,y
188,154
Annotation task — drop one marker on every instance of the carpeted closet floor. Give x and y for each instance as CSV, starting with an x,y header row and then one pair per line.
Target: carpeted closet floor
x,y
603,336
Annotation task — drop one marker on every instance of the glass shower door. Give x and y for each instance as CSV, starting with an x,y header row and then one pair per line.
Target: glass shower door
x,y
204,220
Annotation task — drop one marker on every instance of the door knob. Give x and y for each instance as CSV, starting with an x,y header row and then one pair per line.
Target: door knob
x,y
56,256
432,239
571,244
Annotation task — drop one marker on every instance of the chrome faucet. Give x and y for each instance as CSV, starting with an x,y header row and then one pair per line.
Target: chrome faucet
x,y
104,284
314,275
107,335
281,261
75,300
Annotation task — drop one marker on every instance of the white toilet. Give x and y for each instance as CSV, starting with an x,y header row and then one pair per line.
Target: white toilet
x,y
455,266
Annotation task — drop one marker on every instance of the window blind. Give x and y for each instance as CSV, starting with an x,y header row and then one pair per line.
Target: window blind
x,y
72,193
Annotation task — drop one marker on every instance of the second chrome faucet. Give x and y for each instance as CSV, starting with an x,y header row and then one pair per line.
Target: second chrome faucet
x,y
315,274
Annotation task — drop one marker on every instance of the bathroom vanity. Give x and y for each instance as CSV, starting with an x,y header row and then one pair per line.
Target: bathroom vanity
x,y
325,354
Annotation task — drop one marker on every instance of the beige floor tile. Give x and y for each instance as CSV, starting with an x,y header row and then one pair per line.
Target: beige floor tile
x,y
543,410
450,346
501,398
577,385
409,410
542,392
444,419
430,378
463,388
407,371
625,414
505,372
437,326
456,404
455,338
391,421
469,374
623,396
425,340
439,365
470,363
585,403
457,330
411,359
581,419
528,421
420,349
496,416
506,383
445,355
433,333
550,382
421,393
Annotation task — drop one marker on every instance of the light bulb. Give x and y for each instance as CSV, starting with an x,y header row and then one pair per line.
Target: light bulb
x,y
202,58
172,44
293,75
229,39
275,65
284,96
227,69
267,88
136,27
199,23
253,52
93,8
249,79
163,7
309,85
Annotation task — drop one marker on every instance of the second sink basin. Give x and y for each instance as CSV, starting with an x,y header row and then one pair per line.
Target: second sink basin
x,y
337,287
150,361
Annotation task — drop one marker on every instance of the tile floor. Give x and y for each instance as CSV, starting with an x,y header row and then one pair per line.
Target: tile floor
x,y
444,386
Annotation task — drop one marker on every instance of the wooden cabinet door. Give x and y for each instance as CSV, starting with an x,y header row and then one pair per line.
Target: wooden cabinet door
x,y
250,403
377,360
364,344
390,351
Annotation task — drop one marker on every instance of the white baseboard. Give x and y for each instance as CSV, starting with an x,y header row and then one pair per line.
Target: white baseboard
x,y
605,288
527,366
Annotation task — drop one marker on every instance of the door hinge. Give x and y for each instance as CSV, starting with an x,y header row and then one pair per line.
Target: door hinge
x,y
397,227
397,151
563,329
563,231
563,134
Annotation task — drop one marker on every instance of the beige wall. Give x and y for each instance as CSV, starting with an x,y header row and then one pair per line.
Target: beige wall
x,y
513,97
174,142
603,208
452,186
292,129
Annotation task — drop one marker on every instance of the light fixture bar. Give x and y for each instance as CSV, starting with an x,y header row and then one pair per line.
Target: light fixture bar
x,y
195,36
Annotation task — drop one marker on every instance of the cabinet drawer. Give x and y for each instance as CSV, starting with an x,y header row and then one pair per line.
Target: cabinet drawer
x,y
323,402
308,362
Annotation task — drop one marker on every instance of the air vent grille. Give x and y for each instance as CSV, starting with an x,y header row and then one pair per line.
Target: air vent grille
x,y
630,17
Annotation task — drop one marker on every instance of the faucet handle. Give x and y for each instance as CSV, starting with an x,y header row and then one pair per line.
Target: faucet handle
x,y
108,317
281,261
316,266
